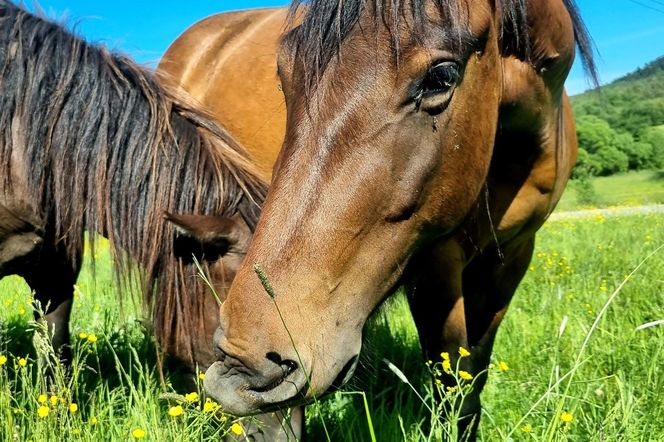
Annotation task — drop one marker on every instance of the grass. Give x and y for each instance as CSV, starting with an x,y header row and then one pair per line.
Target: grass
x,y
611,390
625,189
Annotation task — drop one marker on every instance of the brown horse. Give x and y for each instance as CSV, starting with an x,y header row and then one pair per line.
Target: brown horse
x,y
425,144
90,142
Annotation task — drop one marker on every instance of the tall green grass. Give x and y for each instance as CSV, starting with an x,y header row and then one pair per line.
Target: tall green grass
x,y
611,391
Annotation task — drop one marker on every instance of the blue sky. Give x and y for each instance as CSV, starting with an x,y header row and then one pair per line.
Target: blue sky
x,y
628,33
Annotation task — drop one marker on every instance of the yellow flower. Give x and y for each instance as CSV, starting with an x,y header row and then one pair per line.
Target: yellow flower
x,y
451,389
201,376
43,411
76,431
83,335
465,375
22,362
138,433
445,355
54,400
236,428
3,359
503,366
447,367
175,411
210,406
463,352
42,398
92,338
73,407
191,397
93,420
527,428
566,417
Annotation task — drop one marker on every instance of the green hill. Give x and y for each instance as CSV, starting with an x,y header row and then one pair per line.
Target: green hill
x,y
621,125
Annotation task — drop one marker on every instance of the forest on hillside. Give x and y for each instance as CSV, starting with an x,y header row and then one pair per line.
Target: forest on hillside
x,y
621,125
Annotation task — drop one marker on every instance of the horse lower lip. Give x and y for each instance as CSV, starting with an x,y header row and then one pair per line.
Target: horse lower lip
x,y
238,396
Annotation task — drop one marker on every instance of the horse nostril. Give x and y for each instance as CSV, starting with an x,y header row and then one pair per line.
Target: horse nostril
x,y
287,365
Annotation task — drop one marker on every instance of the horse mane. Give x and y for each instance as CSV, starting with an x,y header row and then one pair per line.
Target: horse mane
x,y
325,24
108,149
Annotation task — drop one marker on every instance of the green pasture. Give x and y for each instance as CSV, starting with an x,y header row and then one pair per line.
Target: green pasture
x,y
569,347
626,189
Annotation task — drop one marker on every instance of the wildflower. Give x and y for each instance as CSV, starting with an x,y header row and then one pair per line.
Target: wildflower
x,y
42,398
201,376
43,411
93,420
138,433
73,407
76,431
503,366
566,417
3,359
465,375
452,389
210,406
175,411
92,338
83,335
237,429
527,428
463,352
191,397
54,400
447,367
439,382
445,355
22,362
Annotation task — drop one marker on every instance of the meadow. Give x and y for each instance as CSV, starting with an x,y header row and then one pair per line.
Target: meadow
x,y
571,362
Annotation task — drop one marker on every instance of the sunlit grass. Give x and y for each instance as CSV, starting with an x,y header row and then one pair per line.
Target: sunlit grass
x,y
614,393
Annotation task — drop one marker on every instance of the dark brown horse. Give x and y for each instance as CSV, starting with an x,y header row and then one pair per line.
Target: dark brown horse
x,y
90,142
426,143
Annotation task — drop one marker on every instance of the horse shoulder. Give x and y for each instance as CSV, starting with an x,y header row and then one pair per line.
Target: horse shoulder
x,y
228,62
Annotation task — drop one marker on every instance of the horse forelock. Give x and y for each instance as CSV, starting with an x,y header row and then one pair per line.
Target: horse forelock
x,y
107,148
325,24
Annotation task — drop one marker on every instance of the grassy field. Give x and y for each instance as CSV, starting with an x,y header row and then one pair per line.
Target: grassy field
x,y
570,341
626,189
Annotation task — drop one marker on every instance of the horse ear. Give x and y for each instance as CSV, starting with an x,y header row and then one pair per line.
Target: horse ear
x,y
211,234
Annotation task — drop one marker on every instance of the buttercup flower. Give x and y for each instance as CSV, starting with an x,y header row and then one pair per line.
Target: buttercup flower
x,y
176,411
83,335
73,407
201,376
54,400
43,411
237,429
566,417
503,366
22,362
465,375
210,406
3,359
42,398
463,352
138,433
191,397
92,338
527,428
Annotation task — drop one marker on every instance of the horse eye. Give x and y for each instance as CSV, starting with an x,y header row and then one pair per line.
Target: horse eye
x,y
440,78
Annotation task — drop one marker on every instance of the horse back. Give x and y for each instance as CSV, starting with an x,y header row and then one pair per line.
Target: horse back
x,y
228,63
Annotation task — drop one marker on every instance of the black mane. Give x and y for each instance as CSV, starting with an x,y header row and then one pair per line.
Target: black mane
x,y
106,148
326,24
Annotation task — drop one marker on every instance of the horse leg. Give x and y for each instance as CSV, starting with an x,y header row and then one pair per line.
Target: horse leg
x,y
457,307
52,279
